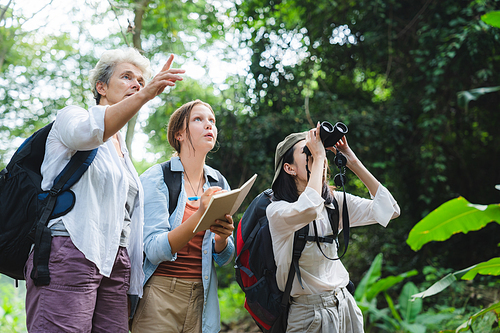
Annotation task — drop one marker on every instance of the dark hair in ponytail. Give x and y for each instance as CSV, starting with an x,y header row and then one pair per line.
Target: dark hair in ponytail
x,y
284,187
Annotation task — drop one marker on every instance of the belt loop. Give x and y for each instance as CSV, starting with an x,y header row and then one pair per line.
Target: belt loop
x,y
172,284
328,299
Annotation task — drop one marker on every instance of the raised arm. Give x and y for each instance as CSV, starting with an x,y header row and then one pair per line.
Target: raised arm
x,y
355,165
117,115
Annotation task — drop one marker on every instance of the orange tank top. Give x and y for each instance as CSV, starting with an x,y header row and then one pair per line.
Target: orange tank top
x,y
188,262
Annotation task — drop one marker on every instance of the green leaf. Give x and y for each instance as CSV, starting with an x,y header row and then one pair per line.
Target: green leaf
x,y
454,216
386,283
464,97
466,325
391,306
370,277
442,284
492,18
409,307
490,267
376,314
413,328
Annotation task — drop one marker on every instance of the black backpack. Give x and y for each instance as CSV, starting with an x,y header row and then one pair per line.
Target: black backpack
x,y
256,269
25,209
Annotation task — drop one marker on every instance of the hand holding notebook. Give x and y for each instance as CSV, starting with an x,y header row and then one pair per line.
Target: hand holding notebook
x,y
222,204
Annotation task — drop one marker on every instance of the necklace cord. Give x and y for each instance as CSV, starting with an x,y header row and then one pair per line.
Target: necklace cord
x,y
196,197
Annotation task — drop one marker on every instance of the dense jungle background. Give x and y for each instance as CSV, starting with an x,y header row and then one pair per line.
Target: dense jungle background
x,y
416,82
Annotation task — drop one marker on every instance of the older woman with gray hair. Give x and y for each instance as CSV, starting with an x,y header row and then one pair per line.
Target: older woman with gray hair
x,y
96,251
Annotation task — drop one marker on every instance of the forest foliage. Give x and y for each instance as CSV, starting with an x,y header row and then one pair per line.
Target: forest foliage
x,y
416,82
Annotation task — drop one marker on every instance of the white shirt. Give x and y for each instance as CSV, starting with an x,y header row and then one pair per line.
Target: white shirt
x,y
95,223
318,273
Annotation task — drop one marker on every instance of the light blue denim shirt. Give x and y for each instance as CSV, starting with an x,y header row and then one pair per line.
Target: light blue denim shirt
x,y
158,223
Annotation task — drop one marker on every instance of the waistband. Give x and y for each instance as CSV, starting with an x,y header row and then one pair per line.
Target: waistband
x,y
327,298
175,280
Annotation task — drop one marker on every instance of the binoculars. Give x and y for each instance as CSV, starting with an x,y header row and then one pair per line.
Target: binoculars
x,y
330,134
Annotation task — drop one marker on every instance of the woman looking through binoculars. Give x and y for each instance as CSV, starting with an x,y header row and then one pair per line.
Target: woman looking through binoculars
x,y
321,302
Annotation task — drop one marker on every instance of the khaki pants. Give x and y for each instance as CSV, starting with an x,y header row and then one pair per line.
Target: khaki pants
x,y
330,312
169,305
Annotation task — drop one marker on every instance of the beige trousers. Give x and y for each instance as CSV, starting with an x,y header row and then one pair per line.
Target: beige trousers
x,y
169,305
330,312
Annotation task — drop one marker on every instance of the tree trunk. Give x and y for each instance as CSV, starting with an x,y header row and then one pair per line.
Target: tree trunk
x,y
139,10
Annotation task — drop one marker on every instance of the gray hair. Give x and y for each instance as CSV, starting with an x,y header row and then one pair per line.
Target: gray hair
x,y
110,59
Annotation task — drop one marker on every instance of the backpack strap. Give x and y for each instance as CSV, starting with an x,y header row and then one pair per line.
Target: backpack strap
x,y
75,168
3,174
264,199
329,239
173,181
299,242
300,239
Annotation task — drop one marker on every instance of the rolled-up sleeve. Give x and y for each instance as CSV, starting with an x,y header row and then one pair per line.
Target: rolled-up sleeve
x,y
297,214
380,209
81,129
224,257
156,216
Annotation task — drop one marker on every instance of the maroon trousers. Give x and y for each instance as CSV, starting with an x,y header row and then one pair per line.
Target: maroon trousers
x,y
78,298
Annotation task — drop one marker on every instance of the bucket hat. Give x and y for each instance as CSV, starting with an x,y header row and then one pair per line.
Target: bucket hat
x,y
282,148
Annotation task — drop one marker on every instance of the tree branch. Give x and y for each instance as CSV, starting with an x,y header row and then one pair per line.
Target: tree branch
x,y
119,25
389,45
139,11
138,18
5,10
412,22
34,14
308,114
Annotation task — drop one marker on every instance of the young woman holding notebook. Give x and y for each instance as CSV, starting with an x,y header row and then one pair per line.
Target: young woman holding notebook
x,y
180,294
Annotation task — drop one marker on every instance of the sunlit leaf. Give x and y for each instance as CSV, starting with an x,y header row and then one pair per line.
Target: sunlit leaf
x,y
490,267
454,216
492,18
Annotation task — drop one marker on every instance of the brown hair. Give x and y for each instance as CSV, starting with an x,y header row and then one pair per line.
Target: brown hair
x,y
180,119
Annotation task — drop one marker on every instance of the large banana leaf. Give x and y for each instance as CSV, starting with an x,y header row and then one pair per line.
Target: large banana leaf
x,y
370,277
454,216
464,97
441,284
409,307
386,283
467,326
490,267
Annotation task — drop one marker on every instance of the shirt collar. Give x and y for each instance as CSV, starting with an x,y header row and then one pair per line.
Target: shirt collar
x,y
176,166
